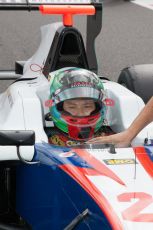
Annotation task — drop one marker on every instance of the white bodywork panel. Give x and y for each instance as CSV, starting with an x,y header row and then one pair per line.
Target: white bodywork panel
x,y
132,201
33,66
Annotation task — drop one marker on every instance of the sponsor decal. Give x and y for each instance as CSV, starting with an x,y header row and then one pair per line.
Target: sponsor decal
x,y
82,84
67,154
48,103
120,161
72,143
57,140
109,102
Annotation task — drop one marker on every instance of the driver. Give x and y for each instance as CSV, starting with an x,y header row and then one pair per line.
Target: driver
x,y
77,106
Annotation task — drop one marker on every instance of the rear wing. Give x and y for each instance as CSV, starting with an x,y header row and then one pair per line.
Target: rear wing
x,y
94,22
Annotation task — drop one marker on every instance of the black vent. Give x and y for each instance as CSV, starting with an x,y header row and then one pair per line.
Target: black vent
x,y
67,50
70,45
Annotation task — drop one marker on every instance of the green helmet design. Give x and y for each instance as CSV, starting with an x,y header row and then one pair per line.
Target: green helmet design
x,y
73,83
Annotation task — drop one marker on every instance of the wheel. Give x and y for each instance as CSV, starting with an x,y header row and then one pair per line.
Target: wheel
x,y
138,79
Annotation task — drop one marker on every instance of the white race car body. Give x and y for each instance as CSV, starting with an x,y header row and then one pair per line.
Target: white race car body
x,y
117,187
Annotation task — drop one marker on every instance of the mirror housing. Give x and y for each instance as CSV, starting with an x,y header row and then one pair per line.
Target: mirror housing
x,y
17,137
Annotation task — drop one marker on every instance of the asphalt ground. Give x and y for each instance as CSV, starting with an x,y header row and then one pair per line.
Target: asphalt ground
x,y
125,39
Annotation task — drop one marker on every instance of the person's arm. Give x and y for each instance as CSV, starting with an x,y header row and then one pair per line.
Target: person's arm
x,y
143,119
124,138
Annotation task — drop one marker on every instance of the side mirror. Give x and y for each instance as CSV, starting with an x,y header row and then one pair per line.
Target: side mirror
x,y
17,137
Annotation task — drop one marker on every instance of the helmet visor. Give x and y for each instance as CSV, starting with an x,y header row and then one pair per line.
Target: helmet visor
x,y
79,92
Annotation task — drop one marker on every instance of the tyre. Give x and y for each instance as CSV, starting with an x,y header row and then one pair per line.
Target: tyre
x,y
138,79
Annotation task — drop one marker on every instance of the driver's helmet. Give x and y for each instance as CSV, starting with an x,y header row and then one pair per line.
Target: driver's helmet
x,y
75,83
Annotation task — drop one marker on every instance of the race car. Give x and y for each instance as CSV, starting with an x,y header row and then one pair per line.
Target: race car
x,y
44,186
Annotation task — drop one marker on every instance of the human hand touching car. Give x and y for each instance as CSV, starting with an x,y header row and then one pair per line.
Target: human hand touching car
x,y
125,138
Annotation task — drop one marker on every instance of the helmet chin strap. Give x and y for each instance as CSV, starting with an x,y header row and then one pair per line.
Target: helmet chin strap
x,y
86,133
80,133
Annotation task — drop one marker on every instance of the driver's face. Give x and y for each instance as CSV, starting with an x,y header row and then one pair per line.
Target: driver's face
x,y
79,107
